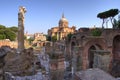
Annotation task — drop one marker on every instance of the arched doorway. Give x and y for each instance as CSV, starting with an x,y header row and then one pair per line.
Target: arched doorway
x,y
91,54
72,45
116,47
72,49
70,57
116,57
98,43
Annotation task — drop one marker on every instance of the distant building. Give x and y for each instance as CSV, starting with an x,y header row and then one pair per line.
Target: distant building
x,y
28,36
39,37
62,30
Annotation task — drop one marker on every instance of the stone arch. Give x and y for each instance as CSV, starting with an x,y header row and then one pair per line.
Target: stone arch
x,y
83,37
116,47
44,44
113,38
73,38
72,45
91,54
71,49
115,71
93,44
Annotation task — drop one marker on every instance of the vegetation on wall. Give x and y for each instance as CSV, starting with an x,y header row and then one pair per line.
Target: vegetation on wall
x,y
48,38
96,32
8,32
30,40
54,38
69,36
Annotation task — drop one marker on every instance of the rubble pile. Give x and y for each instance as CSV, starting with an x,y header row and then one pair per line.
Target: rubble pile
x,y
19,64
3,53
93,74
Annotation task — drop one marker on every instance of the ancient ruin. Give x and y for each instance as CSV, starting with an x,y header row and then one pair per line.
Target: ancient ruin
x,y
82,56
90,51
93,74
3,52
21,14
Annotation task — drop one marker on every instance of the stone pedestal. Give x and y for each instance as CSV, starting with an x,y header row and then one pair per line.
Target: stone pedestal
x,y
101,59
57,69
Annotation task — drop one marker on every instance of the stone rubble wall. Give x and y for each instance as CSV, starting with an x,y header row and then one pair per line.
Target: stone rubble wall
x,y
12,44
102,60
44,60
3,52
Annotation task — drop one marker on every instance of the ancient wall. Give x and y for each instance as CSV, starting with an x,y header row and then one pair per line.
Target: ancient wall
x,y
102,60
86,42
12,44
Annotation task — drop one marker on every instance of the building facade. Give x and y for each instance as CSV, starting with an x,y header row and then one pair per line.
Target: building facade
x,y
62,30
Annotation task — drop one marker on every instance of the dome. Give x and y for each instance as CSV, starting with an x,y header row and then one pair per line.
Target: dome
x,y
63,22
63,19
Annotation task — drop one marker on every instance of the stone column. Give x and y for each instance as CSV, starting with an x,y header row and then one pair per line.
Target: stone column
x,y
21,13
59,38
58,35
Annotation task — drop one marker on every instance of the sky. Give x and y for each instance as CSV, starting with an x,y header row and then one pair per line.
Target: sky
x,y
42,15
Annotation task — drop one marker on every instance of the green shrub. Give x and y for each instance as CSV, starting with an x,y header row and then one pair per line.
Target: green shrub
x,y
96,32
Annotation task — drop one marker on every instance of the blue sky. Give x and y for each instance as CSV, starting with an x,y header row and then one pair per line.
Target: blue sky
x,y
44,14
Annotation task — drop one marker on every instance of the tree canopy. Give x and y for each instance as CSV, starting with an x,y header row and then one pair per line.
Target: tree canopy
x,y
108,14
14,29
54,38
8,32
96,32
2,27
48,38
69,36
116,23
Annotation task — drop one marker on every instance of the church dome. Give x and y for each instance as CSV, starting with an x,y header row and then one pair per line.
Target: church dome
x,y
63,22
63,19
